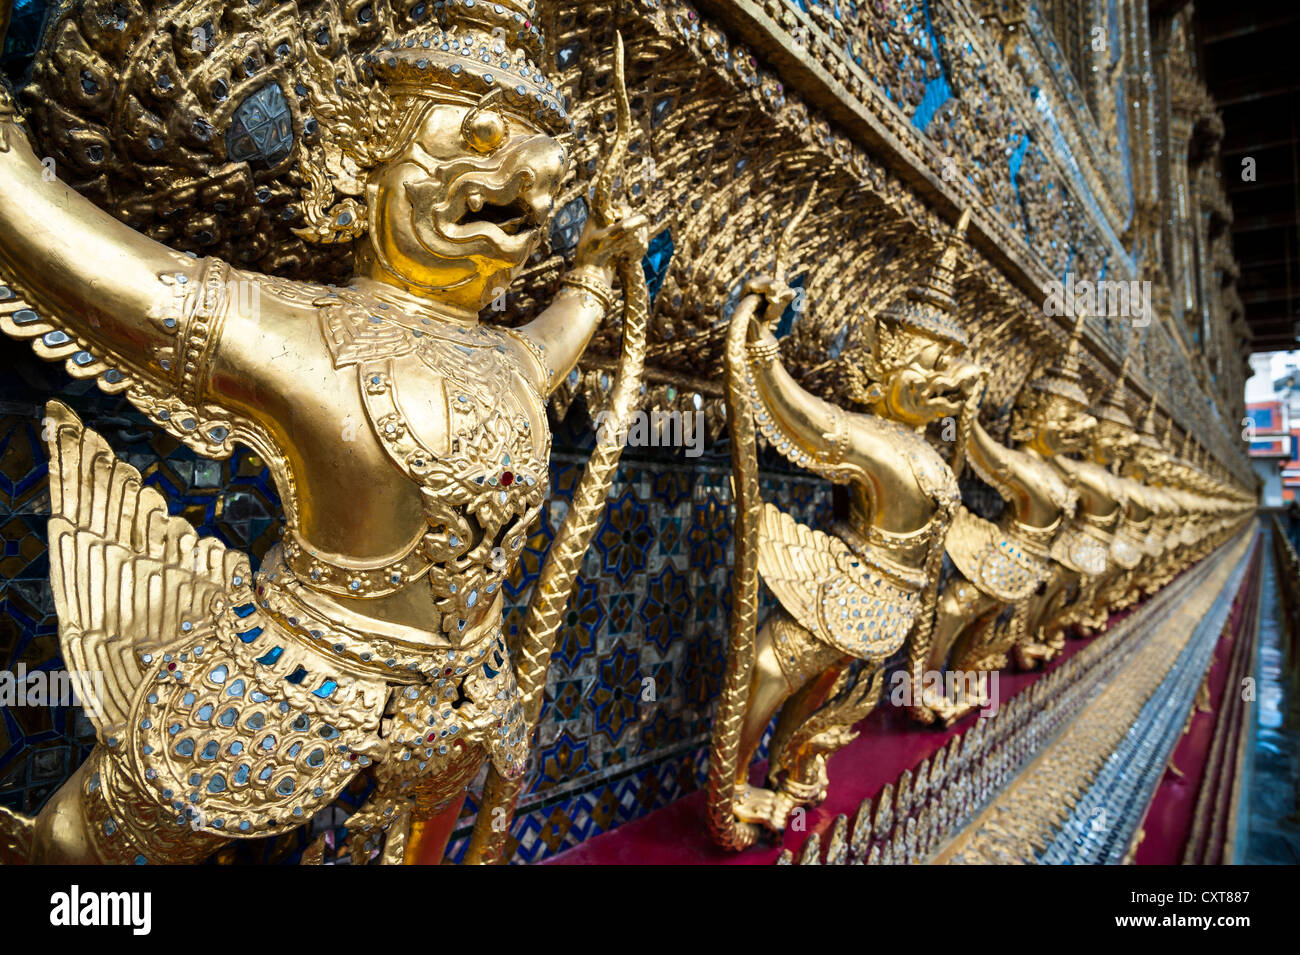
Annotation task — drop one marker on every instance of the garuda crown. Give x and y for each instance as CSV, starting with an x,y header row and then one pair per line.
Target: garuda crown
x,y
928,307
1062,379
481,54
479,47
1112,406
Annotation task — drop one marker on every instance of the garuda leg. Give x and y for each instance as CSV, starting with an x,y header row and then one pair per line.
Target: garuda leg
x,y
1043,638
964,614
793,671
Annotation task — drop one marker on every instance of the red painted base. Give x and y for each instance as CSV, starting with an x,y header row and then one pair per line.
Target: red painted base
x,y
888,744
1170,817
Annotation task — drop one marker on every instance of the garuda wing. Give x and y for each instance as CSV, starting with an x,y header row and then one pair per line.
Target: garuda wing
x,y
832,591
126,576
1082,549
990,561
1127,549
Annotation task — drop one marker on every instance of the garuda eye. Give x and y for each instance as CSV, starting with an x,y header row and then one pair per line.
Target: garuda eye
x,y
484,128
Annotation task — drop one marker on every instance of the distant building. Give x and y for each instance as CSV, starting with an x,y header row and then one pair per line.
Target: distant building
x,y
1273,426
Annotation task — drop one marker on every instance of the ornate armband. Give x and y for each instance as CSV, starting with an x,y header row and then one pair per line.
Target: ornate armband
x,y
597,288
837,438
763,353
204,312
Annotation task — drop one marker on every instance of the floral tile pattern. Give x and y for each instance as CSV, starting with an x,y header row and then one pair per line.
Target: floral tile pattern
x,y
638,659
624,728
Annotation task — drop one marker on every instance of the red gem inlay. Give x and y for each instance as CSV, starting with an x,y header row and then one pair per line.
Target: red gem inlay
x,y
507,479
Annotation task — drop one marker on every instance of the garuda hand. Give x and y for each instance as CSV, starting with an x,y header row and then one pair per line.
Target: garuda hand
x,y
602,247
778,294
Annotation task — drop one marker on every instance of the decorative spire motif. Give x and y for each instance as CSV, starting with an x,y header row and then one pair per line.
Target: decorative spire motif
x,y
1063,379
1147,431
929,306
1113,407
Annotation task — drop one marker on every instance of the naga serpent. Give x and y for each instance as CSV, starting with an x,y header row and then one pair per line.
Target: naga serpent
x,y
555,581
724,749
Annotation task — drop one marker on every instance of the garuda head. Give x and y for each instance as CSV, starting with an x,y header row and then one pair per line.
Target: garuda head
x,y
441,149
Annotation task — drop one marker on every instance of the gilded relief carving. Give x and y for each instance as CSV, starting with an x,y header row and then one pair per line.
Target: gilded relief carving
x,y
390,245
239,704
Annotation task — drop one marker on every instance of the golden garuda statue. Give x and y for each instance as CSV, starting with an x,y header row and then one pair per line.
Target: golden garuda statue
x,y
1009,565
409,444
1142,466
1195,489
1081,549
1097,477
1177,519
848,598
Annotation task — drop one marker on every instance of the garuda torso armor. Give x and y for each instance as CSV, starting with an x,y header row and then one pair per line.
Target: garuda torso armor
x,y
1134,530
866,593
456,415
1010,559
1085,544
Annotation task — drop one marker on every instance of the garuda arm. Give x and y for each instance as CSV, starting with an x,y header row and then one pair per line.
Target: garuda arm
x,y
810,432
561,333
1012,474
114,304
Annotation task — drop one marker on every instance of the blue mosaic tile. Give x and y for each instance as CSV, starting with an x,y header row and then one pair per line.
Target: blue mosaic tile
x,y
638,661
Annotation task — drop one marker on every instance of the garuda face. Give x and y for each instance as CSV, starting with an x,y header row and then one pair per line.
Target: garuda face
x,y
1113,442
460,209
933,381
1053,424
